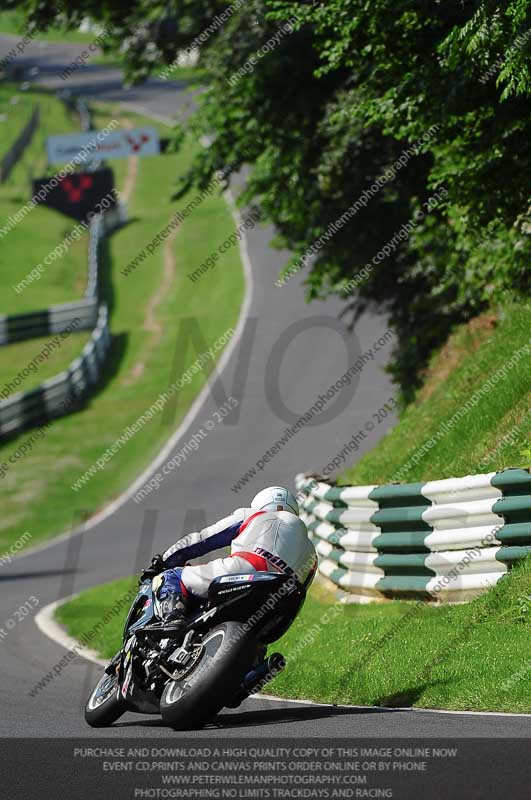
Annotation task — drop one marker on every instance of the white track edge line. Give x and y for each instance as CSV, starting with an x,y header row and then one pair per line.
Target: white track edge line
x,y
47,624
416,710
470,713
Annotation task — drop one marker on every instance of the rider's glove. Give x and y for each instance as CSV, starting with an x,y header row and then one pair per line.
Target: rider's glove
x,y
155,568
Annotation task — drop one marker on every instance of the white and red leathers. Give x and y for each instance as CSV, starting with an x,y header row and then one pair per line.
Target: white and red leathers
x,y
274,541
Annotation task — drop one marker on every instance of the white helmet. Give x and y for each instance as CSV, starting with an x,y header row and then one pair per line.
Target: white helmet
x,y
275,498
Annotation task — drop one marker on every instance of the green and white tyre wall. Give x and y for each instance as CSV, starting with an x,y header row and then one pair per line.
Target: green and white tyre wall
x,y
446,540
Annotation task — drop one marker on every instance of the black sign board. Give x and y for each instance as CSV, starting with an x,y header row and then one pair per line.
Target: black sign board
x,y
77,194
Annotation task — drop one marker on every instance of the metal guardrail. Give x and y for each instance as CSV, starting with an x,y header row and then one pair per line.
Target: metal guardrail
x,y
53,320
60,394
101,225
445,541
12,156
95,230
81,313
77,105
84,115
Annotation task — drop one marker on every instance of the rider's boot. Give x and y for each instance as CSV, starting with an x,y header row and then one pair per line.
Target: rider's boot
x,y
175,608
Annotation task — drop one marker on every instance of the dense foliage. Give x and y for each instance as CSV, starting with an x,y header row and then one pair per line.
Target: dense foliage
x,y
347,88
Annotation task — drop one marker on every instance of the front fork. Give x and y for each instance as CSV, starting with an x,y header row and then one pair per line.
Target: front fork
x,y
114,665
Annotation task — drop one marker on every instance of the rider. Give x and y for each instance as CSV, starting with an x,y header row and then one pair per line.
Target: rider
x,y
268,536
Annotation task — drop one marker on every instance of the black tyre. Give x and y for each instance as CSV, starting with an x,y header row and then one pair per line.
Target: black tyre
x,y
228,654
103,706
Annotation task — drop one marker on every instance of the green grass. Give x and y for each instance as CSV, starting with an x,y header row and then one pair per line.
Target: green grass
x,y
192,75
456,657
16,107
42,229
15,358
81,614
490,436
33,238
38,499
12,22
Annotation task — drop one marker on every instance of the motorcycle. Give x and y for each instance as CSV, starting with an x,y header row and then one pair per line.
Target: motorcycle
x,y
219,660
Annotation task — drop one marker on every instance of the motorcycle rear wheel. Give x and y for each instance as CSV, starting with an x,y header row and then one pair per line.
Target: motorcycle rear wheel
x,y
228,655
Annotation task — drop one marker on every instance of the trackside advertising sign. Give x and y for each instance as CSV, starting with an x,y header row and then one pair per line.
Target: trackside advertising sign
x,y
97,145
78,194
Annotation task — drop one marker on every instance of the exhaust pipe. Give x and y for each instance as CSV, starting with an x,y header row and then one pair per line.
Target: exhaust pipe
x,y
264,672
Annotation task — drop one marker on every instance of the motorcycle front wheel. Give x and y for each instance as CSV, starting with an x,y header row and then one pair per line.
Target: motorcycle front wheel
x,y
228,654
103,706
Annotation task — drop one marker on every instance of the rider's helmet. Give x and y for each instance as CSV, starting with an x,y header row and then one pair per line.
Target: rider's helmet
x,y
275,498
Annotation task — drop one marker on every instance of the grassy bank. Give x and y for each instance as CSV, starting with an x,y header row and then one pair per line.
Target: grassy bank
x,y
147,311
491,435
468,657
475,656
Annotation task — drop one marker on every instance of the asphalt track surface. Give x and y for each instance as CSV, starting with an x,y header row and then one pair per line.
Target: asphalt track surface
x,y
200,490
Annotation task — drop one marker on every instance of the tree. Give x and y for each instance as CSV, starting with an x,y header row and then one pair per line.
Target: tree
x,y
326,99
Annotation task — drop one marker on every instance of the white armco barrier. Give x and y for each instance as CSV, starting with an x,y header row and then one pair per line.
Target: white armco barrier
x,y
63,393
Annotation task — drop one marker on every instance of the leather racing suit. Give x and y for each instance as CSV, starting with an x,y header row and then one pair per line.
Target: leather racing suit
x,y
273,541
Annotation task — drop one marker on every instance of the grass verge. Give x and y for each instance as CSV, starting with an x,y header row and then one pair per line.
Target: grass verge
x,y
490,436
15,111
16,359
146,326
12,22
80,615
468,657
27,243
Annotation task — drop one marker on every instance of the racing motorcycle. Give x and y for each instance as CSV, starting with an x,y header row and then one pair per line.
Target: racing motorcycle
x,y
219,660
